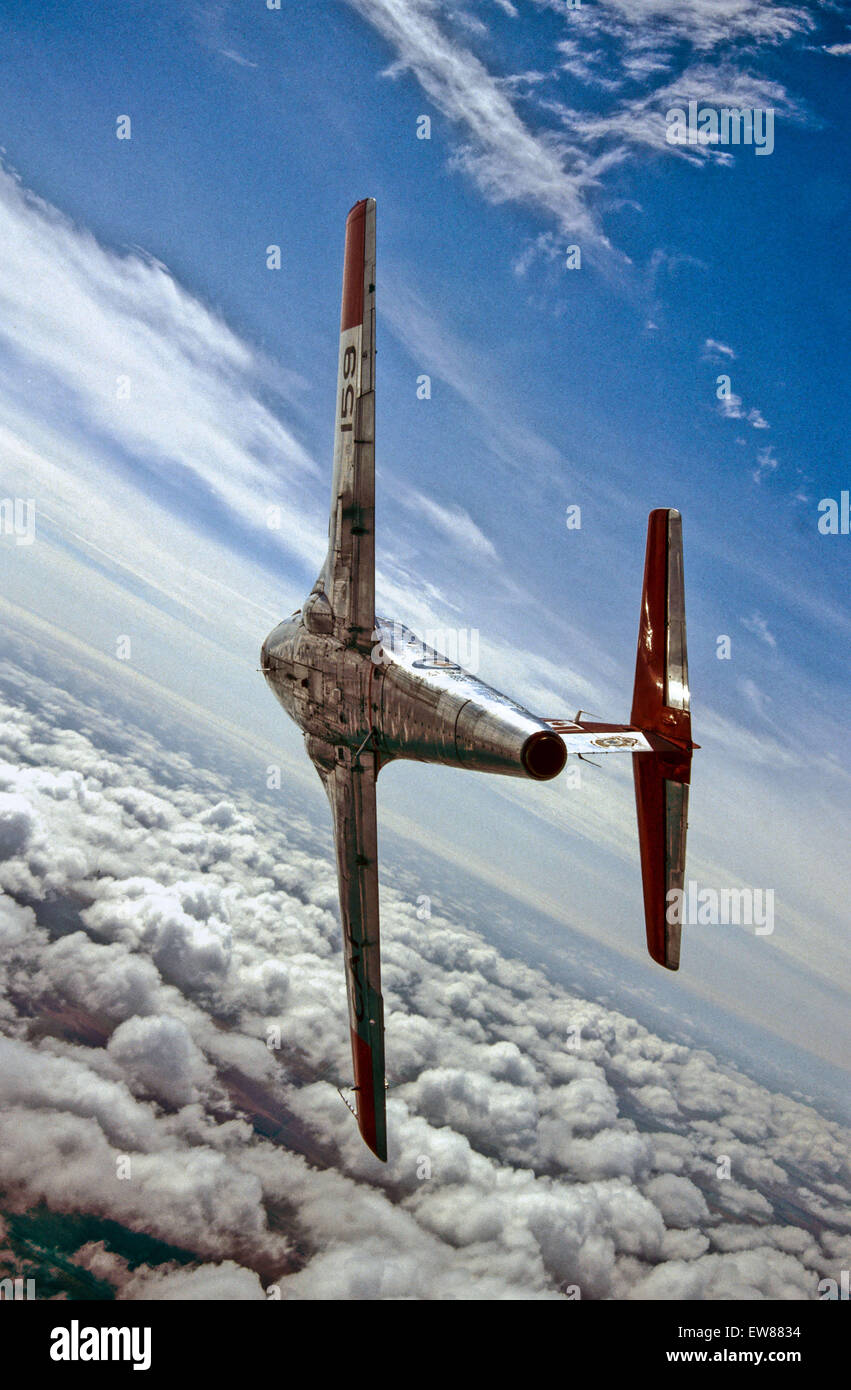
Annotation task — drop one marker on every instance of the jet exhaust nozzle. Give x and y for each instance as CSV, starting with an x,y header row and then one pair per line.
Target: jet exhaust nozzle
x,y
544,755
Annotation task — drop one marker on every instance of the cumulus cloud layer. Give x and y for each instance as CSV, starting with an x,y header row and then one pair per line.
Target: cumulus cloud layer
x,y
174,1026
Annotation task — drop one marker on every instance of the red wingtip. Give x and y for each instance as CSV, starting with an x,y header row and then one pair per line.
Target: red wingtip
x,y
353,267
352,310
365,1092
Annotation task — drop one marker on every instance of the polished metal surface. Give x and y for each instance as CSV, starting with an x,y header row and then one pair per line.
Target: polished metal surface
x,y
676,685
403,699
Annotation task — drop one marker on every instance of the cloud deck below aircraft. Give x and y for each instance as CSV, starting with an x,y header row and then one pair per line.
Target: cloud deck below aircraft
x,y
162,924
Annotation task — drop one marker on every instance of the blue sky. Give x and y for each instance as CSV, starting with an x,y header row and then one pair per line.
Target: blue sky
x,y
251,127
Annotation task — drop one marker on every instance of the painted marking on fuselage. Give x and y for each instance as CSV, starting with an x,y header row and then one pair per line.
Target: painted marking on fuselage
x,y
348,373
437,663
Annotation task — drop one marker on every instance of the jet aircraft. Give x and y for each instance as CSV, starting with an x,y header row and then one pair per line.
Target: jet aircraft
x,y
365,691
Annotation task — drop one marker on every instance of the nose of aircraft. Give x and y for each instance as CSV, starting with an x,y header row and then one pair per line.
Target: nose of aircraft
x,y
265,652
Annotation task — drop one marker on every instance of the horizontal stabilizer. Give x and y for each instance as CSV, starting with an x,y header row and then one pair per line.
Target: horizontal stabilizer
x,y
588,739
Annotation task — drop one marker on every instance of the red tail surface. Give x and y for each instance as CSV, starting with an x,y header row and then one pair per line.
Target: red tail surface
x,y
660,708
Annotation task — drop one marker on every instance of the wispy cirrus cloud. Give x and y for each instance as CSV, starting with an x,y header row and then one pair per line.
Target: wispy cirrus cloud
x,y
467,371
732,408
555,157
703,24
642,37
637,125
713,351
120,348
508,161
766,463
759,627
454,522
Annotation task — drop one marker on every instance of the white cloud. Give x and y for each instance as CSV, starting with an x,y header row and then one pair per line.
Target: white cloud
x,y
237,58
712,350
508,161
677,52
454,522
147,348
759,627
517,1164
704,24
159,1059
756,697
766,464
731,407
644,36
637,125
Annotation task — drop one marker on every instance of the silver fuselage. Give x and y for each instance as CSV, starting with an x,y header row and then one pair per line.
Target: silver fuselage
x,y
403,700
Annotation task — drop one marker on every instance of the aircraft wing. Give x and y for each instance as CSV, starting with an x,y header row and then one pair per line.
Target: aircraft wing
x,y
348,577
350,785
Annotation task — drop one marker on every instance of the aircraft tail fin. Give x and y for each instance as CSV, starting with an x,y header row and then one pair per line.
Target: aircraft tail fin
x,y
658,735
660,699
660,708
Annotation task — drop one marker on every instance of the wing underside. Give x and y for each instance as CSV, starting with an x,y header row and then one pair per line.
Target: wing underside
x,y
350,783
